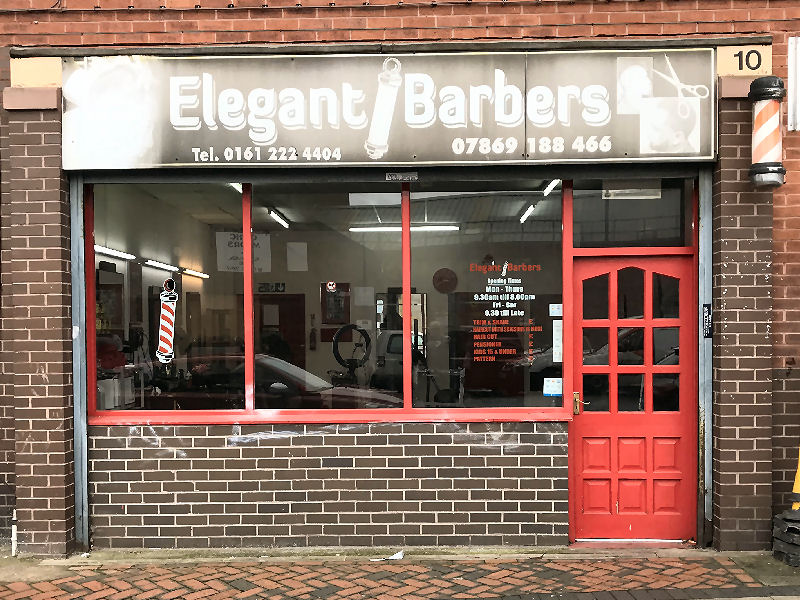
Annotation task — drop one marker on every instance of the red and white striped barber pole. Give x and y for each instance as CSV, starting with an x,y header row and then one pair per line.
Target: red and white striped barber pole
x,y
767,168
166,330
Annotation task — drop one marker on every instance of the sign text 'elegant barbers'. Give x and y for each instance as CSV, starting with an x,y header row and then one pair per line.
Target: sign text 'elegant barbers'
x,y
126,112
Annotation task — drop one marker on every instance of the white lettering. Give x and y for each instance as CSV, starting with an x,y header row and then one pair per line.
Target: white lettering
x,y
178,100
261,104
596,111
231,109
208,101
453,110
292,113
566,93
419,93
540,106
477,94
508,109
318,97
352,98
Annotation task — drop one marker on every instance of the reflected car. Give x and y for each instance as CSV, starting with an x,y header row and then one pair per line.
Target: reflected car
x,y
278,385
282,385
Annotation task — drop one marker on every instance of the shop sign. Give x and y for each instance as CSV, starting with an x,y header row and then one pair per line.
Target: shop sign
x,y
403,109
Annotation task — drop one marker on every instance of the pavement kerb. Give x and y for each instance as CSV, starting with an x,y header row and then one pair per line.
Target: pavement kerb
x,y
358,554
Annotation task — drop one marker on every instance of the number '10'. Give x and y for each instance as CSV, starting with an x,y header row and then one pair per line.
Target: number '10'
x,y
752,59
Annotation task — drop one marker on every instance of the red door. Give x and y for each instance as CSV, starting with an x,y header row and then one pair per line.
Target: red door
x,y
634,441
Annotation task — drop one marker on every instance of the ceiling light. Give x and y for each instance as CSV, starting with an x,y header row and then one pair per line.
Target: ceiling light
x,y
195,273
279,218
160,265
377,228
434,228
112,252
236,186
527,213
551,186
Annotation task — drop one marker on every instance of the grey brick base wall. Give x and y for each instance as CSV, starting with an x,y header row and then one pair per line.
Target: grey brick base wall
x,y
399,484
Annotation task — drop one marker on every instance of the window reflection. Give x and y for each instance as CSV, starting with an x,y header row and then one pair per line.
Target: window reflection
x,y
327,297
486,301
184,356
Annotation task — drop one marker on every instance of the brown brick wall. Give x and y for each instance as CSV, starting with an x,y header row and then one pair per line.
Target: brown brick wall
x,y
6,358
351,485
39,321
112,22
742,266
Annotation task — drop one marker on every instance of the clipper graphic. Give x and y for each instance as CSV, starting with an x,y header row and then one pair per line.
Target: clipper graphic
x,y
166,331
389,81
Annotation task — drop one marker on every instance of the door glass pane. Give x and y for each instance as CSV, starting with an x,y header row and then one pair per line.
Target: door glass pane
x,y
630,293
666,392
486,296
630,346
595,297
665,345
630,392
595,345
595,392
636,212
665,296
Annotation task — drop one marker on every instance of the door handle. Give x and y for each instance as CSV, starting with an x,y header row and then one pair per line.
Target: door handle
x,y
577,403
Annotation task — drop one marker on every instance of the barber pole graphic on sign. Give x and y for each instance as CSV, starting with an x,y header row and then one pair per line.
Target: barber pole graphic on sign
x,y
166,330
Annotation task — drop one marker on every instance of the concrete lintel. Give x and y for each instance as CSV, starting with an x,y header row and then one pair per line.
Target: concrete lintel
x,y
31,98
36,71
734,86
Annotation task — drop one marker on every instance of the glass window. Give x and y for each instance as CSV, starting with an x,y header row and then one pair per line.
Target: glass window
x,y
643,212
486,297
327,298
169,297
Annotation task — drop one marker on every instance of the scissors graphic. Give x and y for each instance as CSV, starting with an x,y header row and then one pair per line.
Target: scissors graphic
x,y
699,91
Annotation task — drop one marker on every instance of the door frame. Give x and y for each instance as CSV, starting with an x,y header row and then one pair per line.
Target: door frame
x,y
569,254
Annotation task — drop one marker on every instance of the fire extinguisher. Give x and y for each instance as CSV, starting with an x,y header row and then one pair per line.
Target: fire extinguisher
x,y
312,336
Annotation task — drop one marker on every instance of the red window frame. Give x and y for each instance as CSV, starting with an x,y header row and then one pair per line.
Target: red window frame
x,y
251,415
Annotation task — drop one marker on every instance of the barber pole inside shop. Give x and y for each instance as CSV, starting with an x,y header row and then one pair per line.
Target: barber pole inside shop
x,y
412,298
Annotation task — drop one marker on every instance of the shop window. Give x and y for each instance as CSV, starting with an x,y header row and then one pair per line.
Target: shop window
x,y
169,297
486,298
652,213
327,301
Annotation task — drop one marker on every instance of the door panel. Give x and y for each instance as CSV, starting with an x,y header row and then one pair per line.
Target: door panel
x,y
634,468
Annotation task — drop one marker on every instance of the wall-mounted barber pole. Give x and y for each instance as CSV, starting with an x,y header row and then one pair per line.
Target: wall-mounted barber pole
x,y
166,329
767,168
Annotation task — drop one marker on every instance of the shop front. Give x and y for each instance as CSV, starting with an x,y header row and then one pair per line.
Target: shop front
x,y
389,299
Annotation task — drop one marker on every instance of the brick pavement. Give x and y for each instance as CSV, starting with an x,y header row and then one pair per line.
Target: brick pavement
x,y
649,578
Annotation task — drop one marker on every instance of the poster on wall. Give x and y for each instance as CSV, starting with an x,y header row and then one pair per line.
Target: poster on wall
x,y
230,254
129,112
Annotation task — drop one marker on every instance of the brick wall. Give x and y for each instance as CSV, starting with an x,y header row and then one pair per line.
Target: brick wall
x,y
6,358
742,266
112,22
351,485
39,324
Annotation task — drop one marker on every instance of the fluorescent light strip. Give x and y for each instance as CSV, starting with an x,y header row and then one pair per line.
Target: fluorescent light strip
x,y
160,265
112,252
236,186
551,186
526,214
395,228
195,273
279,218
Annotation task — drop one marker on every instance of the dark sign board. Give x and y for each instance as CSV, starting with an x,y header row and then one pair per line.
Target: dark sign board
x,y
707,321
127,112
